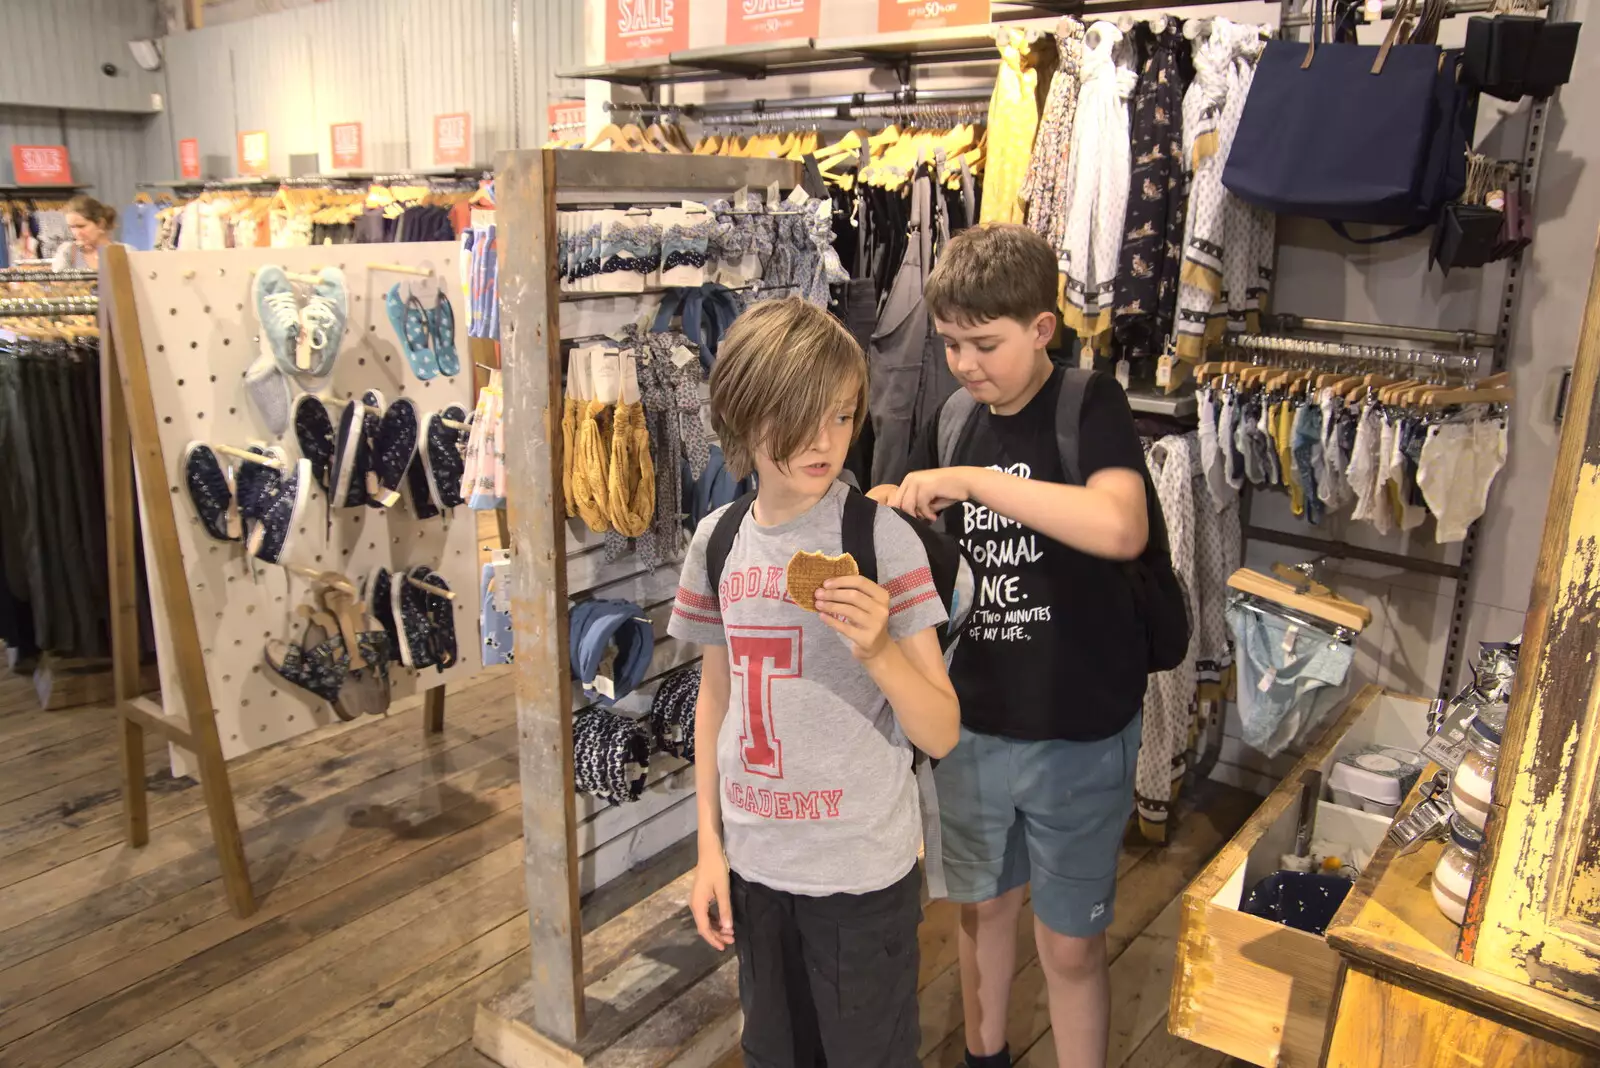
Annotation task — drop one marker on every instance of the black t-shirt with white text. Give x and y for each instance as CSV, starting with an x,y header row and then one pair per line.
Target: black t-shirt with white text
x,y
1053,648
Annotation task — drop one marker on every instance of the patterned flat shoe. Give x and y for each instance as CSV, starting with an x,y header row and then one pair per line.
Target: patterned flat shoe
x,y
441,455
257,485
317,665
396,447
208,490
411,623
423,506
276,533
314,431
410,324
441,618
442,331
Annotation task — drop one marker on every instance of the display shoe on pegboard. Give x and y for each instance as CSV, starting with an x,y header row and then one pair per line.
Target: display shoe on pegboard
x,y
423,506
441,454
379,596
442,332
441,627
396,448
272,539
210,492
256,485
410,322
279,314
317,665
411,622
313,429
268,389
322,323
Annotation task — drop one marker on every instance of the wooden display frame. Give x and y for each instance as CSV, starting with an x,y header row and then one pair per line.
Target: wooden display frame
x,y
670,999
211,671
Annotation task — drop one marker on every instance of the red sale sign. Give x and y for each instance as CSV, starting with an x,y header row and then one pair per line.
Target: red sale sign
x,y
900,15
452,140
348,150
759,21
189,158
41,165
254,158
566,118
644,29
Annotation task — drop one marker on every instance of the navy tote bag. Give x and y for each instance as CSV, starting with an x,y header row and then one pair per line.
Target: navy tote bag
x,y
1342,132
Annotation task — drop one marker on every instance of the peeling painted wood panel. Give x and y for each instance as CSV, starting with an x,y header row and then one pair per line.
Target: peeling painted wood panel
x,y
1536,917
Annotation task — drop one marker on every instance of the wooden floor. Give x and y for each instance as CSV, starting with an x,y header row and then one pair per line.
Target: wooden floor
x,y
389,871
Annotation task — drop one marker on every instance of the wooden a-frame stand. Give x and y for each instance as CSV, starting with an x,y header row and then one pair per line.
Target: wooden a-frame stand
x,y
129,423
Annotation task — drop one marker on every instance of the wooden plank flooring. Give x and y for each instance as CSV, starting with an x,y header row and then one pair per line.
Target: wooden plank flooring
x,y
389,870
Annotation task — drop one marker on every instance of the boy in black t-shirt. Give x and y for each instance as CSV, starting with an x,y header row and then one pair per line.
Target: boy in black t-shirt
x,y
1051,665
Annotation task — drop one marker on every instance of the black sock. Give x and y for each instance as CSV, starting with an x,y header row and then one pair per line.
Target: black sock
x,y
993,1060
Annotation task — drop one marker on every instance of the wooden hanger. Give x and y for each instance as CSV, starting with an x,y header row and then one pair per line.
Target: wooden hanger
x,y
1447,397
1325,605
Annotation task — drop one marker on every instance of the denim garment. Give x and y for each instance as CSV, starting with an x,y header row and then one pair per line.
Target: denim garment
x,y
1287,682
1306,444
1245,432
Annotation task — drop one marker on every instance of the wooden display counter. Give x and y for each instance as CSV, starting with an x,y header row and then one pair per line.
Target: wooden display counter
x,y
1404,998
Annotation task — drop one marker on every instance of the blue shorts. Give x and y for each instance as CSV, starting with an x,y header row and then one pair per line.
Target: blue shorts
x,y
1050,813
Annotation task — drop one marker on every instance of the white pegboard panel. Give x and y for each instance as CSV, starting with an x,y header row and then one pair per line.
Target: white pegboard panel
x,y
200,332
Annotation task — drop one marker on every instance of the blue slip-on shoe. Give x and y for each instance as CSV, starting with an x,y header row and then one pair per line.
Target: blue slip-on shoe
x,y
278,312
322,324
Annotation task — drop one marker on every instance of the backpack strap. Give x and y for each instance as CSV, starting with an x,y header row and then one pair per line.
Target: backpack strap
x,y
1069,420
954,416
856,532
720,544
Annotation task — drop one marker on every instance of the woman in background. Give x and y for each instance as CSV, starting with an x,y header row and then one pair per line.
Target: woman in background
x,y
91,223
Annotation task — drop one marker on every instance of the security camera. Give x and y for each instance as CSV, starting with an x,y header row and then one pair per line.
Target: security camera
x,y
108,69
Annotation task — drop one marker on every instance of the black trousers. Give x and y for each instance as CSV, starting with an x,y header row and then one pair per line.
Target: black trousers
x,y
828,981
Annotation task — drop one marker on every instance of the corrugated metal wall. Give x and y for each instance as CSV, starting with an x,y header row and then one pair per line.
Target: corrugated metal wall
x,y
391,65
108,150
55,49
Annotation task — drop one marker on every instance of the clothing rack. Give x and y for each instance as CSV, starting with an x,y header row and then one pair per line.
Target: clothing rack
x,y
1462,339
846,103
25,275
1265,604
1336,350
32,306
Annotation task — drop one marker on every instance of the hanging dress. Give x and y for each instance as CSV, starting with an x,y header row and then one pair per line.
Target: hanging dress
x,y
1013,120
1045,189
1098,189
1146,295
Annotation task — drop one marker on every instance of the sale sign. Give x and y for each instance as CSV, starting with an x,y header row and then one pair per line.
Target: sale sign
x,y
189,158
759,21
348,150
643,29
254,159
41,165
566,119
898,15
452,140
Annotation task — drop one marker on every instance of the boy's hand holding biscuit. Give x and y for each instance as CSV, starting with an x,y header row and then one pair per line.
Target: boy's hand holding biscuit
x,y
832,587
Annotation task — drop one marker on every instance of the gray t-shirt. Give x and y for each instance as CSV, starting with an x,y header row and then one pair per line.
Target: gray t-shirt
x,y
818,795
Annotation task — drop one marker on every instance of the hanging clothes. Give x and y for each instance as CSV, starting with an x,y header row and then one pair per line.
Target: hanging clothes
x,y
910,378
1098,188
1169,702
1045,188
1013,121
1146,294
1228,245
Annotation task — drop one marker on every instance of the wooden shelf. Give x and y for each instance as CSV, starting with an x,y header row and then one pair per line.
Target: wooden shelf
x,y
1390,923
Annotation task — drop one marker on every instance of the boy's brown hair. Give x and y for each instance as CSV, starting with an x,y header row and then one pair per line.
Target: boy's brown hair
x,y
998,270
779,370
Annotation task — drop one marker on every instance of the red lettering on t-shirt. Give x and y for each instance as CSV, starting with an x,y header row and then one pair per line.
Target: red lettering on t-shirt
x,y
831,799
805,806
759,655
782,804
775,584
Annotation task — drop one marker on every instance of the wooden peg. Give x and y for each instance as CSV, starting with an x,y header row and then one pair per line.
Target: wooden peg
x,y
455,424
400,268
249,457
430,588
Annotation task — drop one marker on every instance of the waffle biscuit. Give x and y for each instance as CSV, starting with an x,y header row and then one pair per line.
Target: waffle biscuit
x,y
808,571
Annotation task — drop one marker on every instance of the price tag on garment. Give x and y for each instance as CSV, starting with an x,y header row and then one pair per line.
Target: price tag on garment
x,y
739,196
1164,372
1267,680
1124,373
797,196
773,199
1086,359
681,356
1289,637
605,687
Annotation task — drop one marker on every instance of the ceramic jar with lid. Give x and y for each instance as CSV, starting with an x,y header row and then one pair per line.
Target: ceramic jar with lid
x,y
1452,876
1472,785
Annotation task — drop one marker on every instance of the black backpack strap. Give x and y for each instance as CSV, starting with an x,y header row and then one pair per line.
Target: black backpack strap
x,y
720,544
1069,420
856,532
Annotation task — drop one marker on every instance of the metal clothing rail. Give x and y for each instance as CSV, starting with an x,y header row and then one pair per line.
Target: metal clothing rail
x,y
1337,350
905,97
17,306
17,274
1461,339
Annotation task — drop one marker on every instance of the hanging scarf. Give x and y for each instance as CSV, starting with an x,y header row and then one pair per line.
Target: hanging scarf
x,y
1098,192
1013,120
1045,189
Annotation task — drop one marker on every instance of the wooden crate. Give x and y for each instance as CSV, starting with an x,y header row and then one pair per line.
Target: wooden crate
x,y
1251,988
